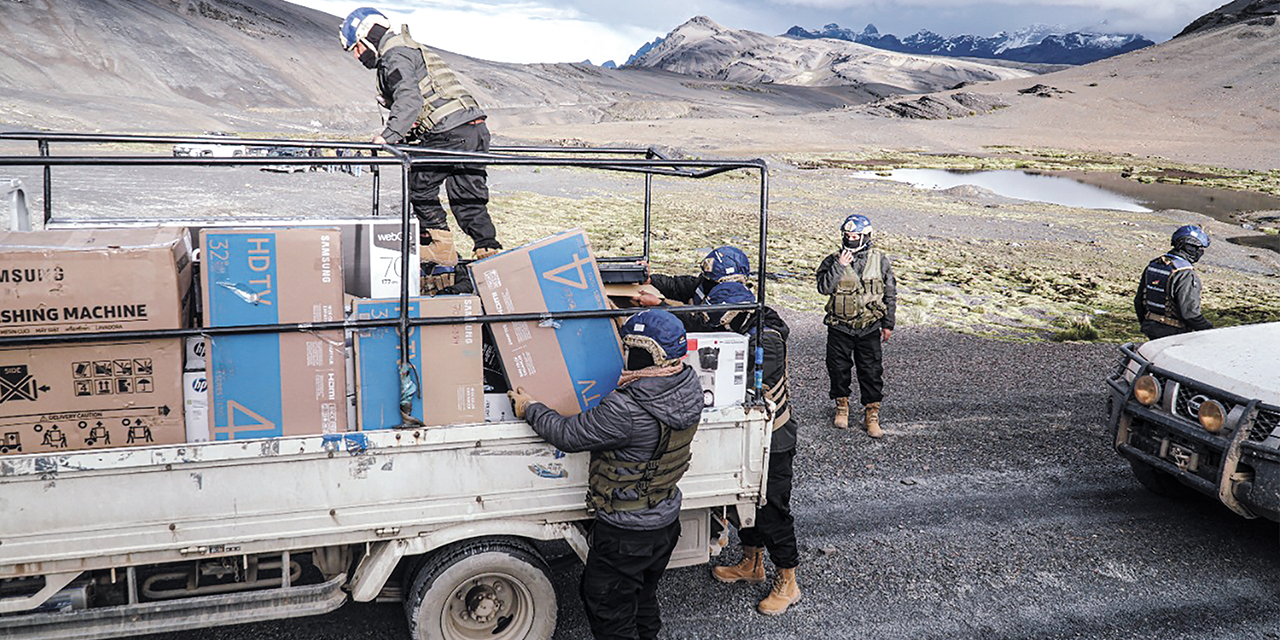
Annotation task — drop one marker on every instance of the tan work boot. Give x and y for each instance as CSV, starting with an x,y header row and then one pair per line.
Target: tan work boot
x,y
750,570
785,593
481,254
872,417
440,250
842,413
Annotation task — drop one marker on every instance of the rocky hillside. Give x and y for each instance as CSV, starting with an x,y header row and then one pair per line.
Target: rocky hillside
x,y
704,49
1040,44
271,67
1254,12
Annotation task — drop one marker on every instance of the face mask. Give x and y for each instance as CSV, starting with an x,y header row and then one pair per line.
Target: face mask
x,y
1193,252
369,59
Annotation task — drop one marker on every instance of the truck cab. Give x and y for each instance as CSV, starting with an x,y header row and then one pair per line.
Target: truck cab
x,y
1200,413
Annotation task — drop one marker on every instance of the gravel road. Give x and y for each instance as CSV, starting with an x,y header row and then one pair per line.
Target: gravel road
x,y
993,508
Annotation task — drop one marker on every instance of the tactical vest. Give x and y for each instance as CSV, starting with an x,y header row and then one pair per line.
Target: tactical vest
x,y
651,482
1155,286
779,394
859,299
442,92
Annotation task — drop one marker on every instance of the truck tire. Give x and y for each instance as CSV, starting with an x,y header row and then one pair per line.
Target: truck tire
x,y
493,588
1159,482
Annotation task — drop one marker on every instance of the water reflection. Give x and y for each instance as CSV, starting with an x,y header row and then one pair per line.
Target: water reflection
x,y
1016,184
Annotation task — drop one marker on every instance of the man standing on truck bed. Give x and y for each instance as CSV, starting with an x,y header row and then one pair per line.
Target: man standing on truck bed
x,y
428,106
1168,298
639,437
860,316
775,528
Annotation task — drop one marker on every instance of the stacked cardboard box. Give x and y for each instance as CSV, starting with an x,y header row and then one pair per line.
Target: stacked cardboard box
x,y
569,365
102,394
446,358
274,384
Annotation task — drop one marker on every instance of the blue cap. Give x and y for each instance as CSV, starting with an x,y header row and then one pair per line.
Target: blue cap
x,y
656,329
1190,234
726,262
348,32
730,293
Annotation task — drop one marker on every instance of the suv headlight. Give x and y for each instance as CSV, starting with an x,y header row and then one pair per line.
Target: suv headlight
x,y
1212,415
1146,390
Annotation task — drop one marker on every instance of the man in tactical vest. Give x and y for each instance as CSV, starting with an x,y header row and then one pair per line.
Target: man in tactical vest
x,y
860,316
1168,298
775,528
639,438
428,106
724,264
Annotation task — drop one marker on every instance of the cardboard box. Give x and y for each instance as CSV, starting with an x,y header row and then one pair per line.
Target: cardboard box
x,y
273,384
195,405
90,396
720,359
446,357
569,365
94,280
370,251
197,349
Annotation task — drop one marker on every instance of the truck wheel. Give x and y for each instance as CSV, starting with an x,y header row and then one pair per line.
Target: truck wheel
x,y
493,588
1159,482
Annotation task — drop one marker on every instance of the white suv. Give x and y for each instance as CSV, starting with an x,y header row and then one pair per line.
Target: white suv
x,y
1201,410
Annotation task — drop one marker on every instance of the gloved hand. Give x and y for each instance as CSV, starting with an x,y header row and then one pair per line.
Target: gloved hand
x,y
520,401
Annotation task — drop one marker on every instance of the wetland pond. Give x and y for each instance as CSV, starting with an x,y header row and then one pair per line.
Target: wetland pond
x,y
1099,191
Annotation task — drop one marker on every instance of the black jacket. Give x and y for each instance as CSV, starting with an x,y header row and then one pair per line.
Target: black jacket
x,y
774,341
400,69
626,422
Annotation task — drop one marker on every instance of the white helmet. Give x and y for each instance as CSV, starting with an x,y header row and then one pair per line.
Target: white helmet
x,y
357,25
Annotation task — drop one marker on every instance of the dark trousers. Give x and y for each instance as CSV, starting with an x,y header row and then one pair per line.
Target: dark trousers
x,y
620,582
465,184
775,529
845,351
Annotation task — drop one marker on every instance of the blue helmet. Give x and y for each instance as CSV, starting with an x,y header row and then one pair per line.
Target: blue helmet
x,y
856,226
659,333
356,27
728,293
726,264
1190,234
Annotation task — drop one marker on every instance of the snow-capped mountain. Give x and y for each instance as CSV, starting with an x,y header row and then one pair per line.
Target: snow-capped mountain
x,y
1037,43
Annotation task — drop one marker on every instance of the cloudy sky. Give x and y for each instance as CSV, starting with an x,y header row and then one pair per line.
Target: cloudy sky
x,y
600,30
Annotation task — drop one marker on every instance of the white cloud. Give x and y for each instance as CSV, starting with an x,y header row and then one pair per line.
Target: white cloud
x,y
515,31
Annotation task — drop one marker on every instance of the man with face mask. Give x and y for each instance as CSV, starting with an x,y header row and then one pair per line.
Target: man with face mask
x,y
1168,298
723,264
639,437
428,106
860,316
775,527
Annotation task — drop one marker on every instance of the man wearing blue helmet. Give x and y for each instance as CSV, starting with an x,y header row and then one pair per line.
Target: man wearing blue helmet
x,y
723,264
1168,298
639,437
775,527
427,105
860,316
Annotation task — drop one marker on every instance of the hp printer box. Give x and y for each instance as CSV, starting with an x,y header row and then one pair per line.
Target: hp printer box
x,y
722,363
568,365
273,384
446,358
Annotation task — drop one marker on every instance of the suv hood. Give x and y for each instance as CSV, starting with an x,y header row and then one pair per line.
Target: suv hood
x,y
1244,360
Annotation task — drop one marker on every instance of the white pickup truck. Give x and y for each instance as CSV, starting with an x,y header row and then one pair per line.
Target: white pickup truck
x,y
128,541
1201,411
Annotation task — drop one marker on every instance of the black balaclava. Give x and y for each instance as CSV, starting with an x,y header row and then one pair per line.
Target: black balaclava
x,y
1190,251
370,56
638,359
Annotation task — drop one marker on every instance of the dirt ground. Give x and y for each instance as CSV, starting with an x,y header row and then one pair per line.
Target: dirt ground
x,y
993,508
